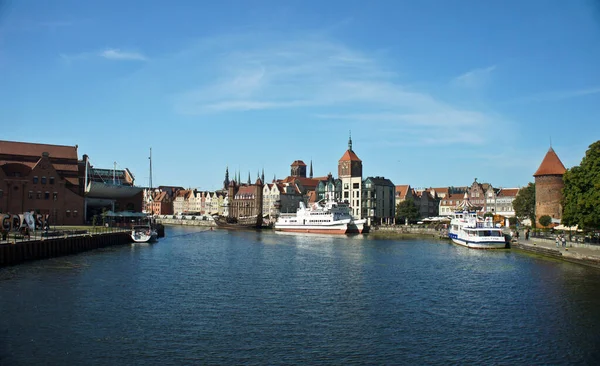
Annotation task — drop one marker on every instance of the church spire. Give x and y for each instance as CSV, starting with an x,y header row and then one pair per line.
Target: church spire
x,y
249,181
350,141
311,172
226,181
262,176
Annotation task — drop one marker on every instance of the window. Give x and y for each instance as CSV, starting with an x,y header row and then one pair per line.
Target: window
x,y
46,195
346,186
39,195
51,180
68,213
75,213
43,180
356,185
35,179
30,195
346,194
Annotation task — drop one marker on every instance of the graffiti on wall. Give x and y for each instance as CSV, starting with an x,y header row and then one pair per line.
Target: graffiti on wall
x,y
16,222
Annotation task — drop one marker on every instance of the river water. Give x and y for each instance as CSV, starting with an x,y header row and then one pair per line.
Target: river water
x,y
228,298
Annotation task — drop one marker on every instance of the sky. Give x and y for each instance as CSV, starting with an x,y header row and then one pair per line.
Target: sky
x,y
435,93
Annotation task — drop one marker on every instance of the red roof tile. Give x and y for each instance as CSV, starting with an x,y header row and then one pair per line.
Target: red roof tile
x,y
349,155
551,165
402,190
33,149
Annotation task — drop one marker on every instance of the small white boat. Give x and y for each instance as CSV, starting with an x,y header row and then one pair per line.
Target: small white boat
x,y
473,232
144,234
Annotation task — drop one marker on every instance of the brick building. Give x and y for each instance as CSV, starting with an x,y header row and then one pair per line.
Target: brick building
x,y
246,200
548,186
42,178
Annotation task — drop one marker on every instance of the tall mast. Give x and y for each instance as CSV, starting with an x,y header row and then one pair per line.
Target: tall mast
x,y
150,180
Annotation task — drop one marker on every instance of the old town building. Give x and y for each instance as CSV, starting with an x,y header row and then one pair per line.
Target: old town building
x,y
246,200
42,178
350,173
548,186
403,192
378,200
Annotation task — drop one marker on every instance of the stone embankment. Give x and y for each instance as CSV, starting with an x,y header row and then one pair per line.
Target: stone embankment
x,y
580,253
403,230
186,222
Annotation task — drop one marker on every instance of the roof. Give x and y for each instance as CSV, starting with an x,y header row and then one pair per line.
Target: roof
x,y
247,190
349,155
298,163
34,149
380,181
402,190
454,198
508,192
443,191
551,165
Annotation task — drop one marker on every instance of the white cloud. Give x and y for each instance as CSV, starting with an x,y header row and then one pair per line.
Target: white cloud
x,y
475,78
561,95
340,82
116,54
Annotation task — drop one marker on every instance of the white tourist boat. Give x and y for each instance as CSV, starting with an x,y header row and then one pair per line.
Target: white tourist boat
x,y
323,217
473,232
144,234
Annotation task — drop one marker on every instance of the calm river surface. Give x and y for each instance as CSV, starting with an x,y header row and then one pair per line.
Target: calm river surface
x,y
229,298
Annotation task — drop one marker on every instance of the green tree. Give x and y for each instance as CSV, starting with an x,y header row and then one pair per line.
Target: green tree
x,y
581,193
407,210
545,220
524,203
512,221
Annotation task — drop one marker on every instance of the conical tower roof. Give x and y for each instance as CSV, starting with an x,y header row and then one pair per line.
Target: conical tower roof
x,y
551,165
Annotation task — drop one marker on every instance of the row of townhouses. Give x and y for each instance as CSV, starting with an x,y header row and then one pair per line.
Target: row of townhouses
x,y
373,198
443,201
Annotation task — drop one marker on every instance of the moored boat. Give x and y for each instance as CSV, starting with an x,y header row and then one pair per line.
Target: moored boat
x,y
323,217
144,234
235,223
473,232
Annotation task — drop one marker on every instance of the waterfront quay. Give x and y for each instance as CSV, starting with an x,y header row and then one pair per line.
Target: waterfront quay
x,y
16,249
586,254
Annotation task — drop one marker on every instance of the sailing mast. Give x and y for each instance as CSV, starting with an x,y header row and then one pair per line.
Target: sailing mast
x,y
150,183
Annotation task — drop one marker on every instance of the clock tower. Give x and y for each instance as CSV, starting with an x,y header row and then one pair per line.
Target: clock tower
x,y
350,173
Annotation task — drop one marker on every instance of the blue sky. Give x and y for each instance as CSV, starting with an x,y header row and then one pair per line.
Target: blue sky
x,y
436,93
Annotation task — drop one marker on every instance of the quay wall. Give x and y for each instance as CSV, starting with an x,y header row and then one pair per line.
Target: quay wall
x,y
408,230
19,252
186,222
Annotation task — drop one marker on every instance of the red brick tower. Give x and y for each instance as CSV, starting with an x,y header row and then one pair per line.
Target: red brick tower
x,y
548,186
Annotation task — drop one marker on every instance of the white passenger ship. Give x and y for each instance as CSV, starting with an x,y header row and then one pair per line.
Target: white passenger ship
x,y
323,217
471,231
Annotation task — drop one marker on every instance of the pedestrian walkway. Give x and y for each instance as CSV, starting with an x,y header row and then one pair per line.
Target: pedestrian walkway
x,y
588,255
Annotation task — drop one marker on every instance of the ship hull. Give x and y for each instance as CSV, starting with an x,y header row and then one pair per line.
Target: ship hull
x,y
238,224
335,230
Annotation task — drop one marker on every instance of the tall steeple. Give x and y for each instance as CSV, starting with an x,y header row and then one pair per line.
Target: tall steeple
x,y
249,181
262,176
226,181
311,172
350,141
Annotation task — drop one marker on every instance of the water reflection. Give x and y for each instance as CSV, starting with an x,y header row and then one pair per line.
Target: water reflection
x,y
221,297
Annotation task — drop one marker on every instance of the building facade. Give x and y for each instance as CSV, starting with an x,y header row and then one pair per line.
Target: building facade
x,y
378,201
45,179
245,200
